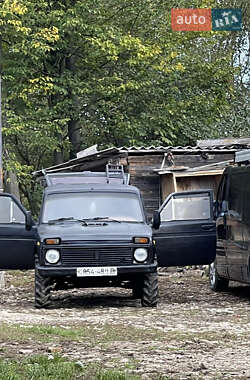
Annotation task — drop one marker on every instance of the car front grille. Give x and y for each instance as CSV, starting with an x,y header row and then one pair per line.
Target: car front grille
x,y
102,256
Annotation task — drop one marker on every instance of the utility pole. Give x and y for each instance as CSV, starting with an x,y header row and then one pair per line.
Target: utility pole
x,y
1,143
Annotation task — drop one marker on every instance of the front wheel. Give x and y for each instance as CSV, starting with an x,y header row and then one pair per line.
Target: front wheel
x,y
149,295
216,282
43,288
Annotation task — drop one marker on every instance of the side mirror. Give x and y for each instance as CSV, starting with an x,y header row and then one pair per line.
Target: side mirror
x,y
156,220
28,221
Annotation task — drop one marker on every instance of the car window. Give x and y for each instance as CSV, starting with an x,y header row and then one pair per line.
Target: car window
x,y
10,212
186,208
119,206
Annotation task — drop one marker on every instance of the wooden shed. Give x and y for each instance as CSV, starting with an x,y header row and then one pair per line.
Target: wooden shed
x,y
160,170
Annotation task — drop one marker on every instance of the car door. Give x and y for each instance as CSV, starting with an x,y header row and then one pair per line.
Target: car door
x,y
221,226
187,232
17,235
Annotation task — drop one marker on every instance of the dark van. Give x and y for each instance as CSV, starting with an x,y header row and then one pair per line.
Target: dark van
x,y
233,226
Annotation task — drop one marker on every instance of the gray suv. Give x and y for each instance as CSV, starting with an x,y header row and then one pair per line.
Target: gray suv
x,y
96,235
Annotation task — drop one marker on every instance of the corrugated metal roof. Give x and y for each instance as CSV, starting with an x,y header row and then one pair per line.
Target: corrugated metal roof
x,y
106,153
226,141
115,152
187,148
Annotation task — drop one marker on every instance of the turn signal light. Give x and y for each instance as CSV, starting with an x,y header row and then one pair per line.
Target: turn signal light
x,y
52,241
141,240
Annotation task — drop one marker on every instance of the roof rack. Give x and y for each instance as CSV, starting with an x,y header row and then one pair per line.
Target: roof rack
x,y
242,157
115,171
114,174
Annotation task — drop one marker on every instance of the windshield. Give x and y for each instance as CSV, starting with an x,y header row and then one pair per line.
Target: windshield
x,y
118,206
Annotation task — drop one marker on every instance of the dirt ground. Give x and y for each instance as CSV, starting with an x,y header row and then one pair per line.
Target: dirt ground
x,y
198,334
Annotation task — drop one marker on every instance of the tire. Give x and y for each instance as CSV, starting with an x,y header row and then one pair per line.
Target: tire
x,y
216,282
43,288
149,295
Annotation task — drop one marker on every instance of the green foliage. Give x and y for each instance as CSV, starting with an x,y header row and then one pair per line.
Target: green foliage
x,y
55,334
39,367
56,368
113,73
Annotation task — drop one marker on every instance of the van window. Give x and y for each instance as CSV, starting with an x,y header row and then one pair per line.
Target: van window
x,y
246,198
236,194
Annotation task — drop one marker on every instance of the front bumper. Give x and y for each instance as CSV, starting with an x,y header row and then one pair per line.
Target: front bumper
x,y
121,270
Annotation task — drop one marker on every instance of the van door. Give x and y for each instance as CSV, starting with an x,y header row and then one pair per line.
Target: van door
x,y
187,233
236,219
17,238
246,231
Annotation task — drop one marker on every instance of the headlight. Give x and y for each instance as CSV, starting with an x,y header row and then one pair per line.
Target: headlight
x,y
52,256
140,254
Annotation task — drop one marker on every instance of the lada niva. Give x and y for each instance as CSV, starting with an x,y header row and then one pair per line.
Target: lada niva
x,y
97,235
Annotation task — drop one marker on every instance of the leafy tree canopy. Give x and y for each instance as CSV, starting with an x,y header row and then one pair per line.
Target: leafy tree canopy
x,y
76,73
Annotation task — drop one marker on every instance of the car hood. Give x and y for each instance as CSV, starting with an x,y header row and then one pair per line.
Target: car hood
x,y
94,231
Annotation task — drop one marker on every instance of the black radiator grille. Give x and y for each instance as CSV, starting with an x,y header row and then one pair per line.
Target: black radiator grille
x,y
102,256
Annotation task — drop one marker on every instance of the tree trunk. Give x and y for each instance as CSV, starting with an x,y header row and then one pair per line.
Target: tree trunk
x,y
73,124
58,157
74,137
11,184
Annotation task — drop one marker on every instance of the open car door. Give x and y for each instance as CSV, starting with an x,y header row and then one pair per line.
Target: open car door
x,y
17,235
187,231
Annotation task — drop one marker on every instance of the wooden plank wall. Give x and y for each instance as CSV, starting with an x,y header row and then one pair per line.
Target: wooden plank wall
x,y
142,176
196,160
141,169
167,185
201,182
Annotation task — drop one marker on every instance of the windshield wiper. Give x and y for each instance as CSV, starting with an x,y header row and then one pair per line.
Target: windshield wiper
x,y
53,221
83,220
104,218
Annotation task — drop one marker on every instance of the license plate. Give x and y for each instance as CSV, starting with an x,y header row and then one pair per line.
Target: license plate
x,y
96,271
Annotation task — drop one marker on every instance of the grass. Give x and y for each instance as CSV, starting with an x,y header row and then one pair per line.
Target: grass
x,y
94,334
43,368
38,368
20,278
105,335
